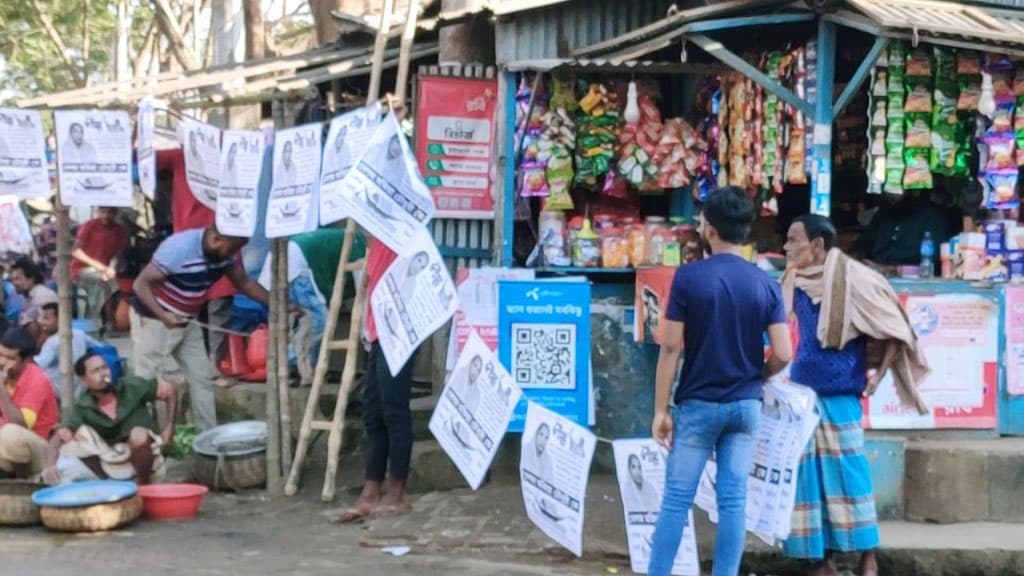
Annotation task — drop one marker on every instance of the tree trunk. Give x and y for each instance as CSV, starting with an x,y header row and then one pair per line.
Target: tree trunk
x,y
124,29
58,43
171,29
467,42
255,45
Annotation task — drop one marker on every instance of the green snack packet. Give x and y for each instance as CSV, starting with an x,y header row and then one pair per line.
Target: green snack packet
x,y
918,173
897,80
894,178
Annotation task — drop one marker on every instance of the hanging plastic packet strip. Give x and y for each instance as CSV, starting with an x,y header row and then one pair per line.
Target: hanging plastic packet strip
x,y
1002,189
918,173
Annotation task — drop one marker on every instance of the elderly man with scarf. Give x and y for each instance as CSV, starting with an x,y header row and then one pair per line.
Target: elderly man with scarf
x,y
843,308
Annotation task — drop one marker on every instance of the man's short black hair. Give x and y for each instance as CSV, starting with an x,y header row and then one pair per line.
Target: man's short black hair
x,y
52,307
81,362
731,212
818,226
19,339
29,268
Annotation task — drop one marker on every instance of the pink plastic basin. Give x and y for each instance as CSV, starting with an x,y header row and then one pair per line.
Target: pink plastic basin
x,y
172,501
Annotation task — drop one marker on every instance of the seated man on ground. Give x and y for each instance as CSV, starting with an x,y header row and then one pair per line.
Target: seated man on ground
x,y
110,429
48,357
27,407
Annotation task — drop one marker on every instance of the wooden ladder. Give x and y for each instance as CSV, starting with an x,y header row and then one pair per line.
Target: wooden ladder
x,y
350,346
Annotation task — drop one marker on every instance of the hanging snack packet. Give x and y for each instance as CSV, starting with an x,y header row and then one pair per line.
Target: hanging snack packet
x,y
535,182
943,155
945,63
1002,120
919,95
897,54
1002,190
895,106
559,179
1018,82
1000,152
1002,88
970,93
919,131
919,62
967,63
918,174
894,177
896,81
995,62
881,85
878,119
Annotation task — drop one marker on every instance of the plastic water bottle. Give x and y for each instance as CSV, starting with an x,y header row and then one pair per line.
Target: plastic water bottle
x,y
927,268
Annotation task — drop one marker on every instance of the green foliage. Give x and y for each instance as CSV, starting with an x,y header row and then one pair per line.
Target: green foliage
x,y
33,64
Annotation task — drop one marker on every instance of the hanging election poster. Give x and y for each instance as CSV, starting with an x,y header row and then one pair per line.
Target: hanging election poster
x,y
290,209
201,146
94,157
23,166
240,169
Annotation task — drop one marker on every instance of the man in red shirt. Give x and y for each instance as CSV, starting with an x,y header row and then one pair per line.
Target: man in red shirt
x,y
27,406
97,246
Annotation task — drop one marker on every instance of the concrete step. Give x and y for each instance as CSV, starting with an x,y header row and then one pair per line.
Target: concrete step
x,y
965,480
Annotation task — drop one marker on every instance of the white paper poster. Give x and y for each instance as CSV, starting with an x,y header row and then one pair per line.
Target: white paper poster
x,y
241,166
94,157
640,469
201,146
23,166
474,410
788,421
414,298
15,234
347,139
145,152
296,170
385,193
478,306
554,468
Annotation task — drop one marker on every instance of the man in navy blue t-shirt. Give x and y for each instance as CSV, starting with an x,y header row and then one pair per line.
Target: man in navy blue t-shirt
x,y
721,307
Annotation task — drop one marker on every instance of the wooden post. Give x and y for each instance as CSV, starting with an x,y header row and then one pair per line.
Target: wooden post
x,y
67,394
283,323
274,473
408,35
373,93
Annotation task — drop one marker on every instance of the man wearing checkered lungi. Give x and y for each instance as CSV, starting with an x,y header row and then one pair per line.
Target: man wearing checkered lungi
x,y
841,307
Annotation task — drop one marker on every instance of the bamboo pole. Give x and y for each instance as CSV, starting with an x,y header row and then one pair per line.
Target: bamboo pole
x,y
67,394
274,472
408,35
373,93
283,321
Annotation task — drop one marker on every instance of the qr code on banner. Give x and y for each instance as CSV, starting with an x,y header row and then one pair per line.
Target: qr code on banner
x,y
544,355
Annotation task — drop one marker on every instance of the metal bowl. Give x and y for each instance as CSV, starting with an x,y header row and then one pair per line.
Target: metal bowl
x,y
235,439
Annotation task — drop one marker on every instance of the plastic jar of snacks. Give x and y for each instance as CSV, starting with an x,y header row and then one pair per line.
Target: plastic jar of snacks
x,y
660,238
636,240
614,248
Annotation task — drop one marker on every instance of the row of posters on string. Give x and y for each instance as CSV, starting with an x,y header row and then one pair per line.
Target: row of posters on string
x,y
312,182
521,345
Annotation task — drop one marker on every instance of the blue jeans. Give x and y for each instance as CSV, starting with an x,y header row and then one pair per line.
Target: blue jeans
x,y
305,296
700,428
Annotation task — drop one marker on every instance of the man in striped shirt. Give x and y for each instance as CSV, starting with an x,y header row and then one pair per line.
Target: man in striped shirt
x,y
169,293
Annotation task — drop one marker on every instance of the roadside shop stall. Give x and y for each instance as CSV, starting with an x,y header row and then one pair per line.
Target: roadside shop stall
x,y
611,147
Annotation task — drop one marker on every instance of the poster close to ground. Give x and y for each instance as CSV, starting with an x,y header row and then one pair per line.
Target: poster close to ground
x,y
240,170
94,157
554,468
653,286
959,334
478,306
474,410
292,206
15,233
385,193
200,143
145,151
455,148
414,298
544,341
348,137
640,470
23,166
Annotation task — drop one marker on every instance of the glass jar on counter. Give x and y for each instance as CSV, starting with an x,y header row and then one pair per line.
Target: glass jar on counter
x,y
551,229
652,225
586,250
636,240
614,248
660,239
689,243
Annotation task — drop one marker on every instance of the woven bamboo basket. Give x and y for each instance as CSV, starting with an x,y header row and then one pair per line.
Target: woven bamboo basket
x,y
16,507
95,518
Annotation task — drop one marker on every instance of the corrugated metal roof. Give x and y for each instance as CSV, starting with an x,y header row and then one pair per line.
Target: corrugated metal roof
x,y
556,31
503,7
928,20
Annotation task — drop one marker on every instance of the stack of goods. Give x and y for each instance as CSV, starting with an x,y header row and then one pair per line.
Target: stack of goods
x,y
532,164
559,138
1000,172
597,123
638,143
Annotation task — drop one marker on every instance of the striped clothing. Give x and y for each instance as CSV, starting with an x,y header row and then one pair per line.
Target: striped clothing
x,y
189,274
835,507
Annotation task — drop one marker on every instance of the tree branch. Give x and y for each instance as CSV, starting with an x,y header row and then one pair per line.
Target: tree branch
x,y
86,25
172,31
145,51
58,43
